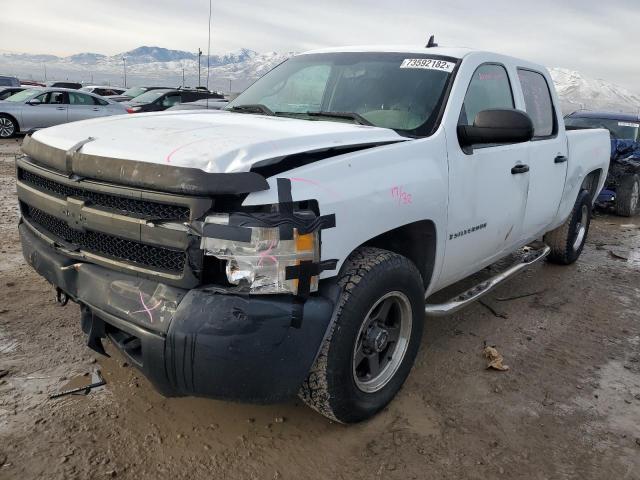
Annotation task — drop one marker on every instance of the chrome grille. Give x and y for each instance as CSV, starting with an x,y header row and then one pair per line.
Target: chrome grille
x,y
120,204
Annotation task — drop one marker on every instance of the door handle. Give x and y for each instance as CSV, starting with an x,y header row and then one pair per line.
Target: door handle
x,y
61,108
96,109
560,159
520,169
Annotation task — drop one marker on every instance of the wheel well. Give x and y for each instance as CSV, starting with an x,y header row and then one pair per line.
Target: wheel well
x,y
591,182
14,119
416,241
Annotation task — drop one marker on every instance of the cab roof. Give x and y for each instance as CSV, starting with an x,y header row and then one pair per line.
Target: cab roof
x,y
454,52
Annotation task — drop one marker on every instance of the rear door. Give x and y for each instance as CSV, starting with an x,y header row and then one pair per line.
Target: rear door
x,y
487,196
52,111
83,106
548,153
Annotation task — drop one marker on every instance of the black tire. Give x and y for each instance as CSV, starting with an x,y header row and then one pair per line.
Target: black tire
x,y
627,196
369,277
8,126
567,241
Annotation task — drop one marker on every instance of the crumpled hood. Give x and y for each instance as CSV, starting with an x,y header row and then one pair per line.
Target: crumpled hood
x,y
212,141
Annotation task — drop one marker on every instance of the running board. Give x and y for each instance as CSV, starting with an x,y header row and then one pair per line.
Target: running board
x,y
480,290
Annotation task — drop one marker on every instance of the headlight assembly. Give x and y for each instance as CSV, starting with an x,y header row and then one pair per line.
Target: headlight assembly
x,y
257,264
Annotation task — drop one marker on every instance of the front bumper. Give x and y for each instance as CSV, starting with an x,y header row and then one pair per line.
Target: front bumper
x,y
193,342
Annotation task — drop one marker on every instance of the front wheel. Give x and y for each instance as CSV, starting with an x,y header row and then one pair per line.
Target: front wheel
x,y
628,196
374,339
567,241
8,127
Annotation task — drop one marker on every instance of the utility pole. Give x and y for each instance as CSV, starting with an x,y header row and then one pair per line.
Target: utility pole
x,y
229,86
199,55
124,63
45,71
182,77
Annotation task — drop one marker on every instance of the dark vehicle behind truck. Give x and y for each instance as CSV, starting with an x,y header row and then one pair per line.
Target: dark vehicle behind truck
x,y
622,188
9,81
161,99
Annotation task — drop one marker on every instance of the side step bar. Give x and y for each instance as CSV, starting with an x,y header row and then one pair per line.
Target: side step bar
x,y
478,291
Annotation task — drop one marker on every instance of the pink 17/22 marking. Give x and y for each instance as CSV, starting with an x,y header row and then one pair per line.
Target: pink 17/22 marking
x,y
400,196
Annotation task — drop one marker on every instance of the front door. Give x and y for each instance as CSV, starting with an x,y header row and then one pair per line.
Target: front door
x,y
548,154
488,184
51,111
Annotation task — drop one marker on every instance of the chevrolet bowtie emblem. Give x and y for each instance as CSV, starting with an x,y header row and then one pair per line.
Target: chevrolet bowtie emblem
x,y
74,215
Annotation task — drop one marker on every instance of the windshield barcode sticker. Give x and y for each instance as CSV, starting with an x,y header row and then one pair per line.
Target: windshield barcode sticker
x,y
627,124
428,64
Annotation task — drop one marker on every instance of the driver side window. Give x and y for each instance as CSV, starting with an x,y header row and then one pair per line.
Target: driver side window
x,y
53,98
489,88
170,100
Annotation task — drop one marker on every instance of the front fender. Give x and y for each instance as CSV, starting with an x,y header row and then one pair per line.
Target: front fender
x,y
371,192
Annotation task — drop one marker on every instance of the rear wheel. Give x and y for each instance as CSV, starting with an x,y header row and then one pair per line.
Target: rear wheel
x,y
628,196
567,241
373,342
8,126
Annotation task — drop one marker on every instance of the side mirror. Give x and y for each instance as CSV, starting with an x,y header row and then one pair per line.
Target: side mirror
x,y
497,126
35,101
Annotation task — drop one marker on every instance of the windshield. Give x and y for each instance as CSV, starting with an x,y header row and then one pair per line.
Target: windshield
x,y
22,96
149,96
134,92
401,91
618,129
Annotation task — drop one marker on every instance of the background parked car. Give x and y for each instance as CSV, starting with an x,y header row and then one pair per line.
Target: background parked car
x,y
622,188
8,91
210,104
161,99
132,93
103,91
9,81
31,83
71,85
39,108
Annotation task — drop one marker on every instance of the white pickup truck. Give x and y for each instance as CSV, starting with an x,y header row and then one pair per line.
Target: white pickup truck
x,y
290,244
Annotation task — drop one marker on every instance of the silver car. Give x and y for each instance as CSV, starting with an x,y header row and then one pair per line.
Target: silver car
x,y
44,107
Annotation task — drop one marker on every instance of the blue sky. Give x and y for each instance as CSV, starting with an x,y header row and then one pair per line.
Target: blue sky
x,y
595,37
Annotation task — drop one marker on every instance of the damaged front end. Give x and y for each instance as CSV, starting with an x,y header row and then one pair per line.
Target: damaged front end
x,y
166,263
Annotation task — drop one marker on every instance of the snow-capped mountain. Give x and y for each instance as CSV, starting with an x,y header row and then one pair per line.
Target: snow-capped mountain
x,y
234,71
579,92
146,65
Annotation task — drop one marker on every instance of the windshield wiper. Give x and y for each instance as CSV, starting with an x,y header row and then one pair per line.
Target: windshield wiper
x,y
356,117
253,108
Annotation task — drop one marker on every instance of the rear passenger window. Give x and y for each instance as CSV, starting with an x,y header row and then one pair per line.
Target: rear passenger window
x,y
489,88
537,99
80,99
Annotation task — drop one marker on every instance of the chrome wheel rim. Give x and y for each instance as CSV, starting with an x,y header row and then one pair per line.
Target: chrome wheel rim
x,y
382,342
6,127
635,195
581,227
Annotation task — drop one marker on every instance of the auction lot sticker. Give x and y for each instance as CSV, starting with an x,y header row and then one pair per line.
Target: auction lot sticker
x,y
428,64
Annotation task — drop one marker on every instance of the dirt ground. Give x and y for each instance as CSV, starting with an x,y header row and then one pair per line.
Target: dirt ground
x,y
569,406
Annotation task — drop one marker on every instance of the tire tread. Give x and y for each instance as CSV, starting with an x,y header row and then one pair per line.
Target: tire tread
x,y
315,390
